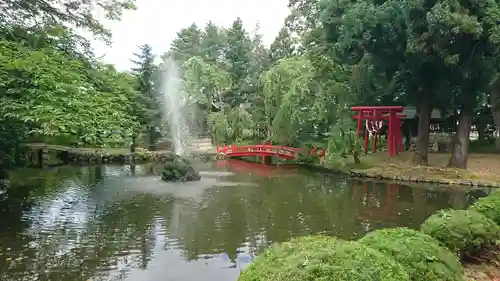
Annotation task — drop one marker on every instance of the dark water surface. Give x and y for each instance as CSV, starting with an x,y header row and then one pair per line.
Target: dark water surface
x,y
122,223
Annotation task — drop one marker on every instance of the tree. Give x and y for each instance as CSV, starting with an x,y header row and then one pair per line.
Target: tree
x,y
147,106
213,43
206,85
51,87
420,52
282,47
186,45
288,98
50,93
238,55
495,109
80,13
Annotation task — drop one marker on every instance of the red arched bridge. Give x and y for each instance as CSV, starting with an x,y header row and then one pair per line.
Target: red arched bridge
x,y
265,150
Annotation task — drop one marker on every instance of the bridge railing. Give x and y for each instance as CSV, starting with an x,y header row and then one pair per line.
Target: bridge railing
x,y
268,149
264,148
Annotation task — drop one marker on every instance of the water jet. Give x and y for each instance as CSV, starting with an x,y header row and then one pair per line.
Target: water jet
x,y
176,103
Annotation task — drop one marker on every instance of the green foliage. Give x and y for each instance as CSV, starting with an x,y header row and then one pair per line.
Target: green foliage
x,y
414,52
79,13
219,127
282,47
462,231
489,206
205,82
286,93
186,45
237,125
146,105
240,124
495,193
322,258
329,55
51,88
212,43
420,254
51,93
343,142
238,54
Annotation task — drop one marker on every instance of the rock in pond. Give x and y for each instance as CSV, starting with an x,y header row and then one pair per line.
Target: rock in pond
x,y
178,168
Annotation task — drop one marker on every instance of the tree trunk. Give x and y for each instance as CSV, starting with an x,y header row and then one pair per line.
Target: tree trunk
x,y
422,145
152,138
480,131
496,118
460,149
495,110
134,144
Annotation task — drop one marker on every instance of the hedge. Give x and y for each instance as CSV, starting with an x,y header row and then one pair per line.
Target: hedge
x,y
420,254
488,206
462,231
323,258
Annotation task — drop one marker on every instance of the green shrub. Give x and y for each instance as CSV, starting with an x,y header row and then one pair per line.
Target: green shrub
x,y
494,192
323,258
489,206
462,231
420,254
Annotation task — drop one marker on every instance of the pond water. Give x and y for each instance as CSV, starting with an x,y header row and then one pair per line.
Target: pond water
x,y
123,223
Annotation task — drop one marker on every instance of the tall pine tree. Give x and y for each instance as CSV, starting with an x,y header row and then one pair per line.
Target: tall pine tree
x,y
282,46
213,43
187,44
147,106
238,56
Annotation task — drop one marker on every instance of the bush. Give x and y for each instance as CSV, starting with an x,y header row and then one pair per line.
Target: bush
x,y
323,258
462,231
420,254
489,206
495,192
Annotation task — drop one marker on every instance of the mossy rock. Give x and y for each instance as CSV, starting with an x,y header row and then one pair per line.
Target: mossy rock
x,y
462,231
323,258
420,254
178,168
488,206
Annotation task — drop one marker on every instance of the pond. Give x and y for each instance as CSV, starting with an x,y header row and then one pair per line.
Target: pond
x,y
123,223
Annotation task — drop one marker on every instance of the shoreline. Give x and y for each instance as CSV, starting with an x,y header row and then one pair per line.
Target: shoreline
x,y
80,157
397,172
362,174
409,179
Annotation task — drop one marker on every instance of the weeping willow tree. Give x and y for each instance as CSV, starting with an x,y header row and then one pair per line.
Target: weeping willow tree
x,y
235,126
219,126
287,98
206,84
303,96
343,143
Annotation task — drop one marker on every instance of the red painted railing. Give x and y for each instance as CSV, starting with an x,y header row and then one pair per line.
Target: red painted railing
x,y
259,150
265,150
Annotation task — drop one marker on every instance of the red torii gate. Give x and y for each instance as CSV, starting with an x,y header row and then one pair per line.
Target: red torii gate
x,y
379,113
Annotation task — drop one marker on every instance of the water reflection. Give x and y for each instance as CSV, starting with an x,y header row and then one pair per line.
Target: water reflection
x,y
121,223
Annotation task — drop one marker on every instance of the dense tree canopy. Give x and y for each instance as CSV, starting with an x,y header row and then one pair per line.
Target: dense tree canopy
x,y
52,89
328,56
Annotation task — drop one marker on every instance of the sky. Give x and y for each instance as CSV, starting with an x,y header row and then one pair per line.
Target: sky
x,y
156,22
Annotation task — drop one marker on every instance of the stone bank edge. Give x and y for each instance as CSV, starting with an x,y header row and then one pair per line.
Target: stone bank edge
x,y
409,179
